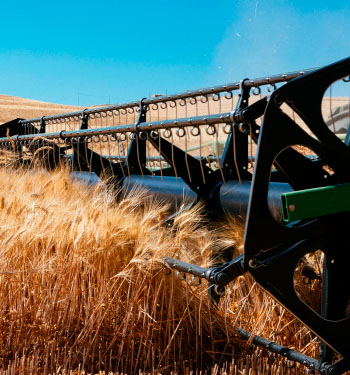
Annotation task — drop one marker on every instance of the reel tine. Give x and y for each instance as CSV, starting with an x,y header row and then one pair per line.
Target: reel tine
x,y
235,156
158,112
86,153
200,151
126,156
172,154
176,112
219,155
181,275
160,157
91,153
136,135
167,271
251,147
148,154
100,153
119,117
78,153
109,152
194,282
120,152
208,105
220,102
93,150
186,153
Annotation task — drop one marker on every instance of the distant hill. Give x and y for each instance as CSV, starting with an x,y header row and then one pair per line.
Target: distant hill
x,y
12,107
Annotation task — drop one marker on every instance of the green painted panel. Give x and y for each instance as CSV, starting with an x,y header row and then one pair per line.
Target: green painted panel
x,y
306,204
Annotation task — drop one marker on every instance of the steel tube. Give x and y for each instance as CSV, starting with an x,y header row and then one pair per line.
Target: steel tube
x,y
226,117
152,159
233,196
184,95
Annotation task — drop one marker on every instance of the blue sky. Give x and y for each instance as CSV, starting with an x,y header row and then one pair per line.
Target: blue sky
x,y
89,52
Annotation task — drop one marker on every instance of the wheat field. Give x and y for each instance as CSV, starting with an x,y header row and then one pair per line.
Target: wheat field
x,y
83,289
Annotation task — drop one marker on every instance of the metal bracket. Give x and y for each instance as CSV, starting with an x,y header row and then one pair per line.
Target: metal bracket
x,y
84,120
79,158
143,112
42,125
235,155
136,159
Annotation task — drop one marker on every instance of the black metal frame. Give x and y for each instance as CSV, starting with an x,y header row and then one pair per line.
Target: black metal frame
x,y
272,259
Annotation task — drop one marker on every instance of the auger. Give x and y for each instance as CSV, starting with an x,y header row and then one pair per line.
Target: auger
x,y
271,158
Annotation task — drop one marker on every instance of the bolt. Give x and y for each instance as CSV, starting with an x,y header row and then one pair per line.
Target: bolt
x,y
291,207
278,100
253,263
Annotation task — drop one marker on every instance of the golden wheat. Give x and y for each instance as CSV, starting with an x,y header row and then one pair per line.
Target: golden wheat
x,y
82,288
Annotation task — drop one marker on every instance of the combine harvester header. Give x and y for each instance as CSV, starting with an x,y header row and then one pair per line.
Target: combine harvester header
x,y
268,153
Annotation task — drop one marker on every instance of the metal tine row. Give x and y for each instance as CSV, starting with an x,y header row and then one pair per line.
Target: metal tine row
x,y
195,280
114,142
117,118
190,103
113,145
217,276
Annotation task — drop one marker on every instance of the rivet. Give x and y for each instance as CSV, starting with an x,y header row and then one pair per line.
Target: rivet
x,y
291,207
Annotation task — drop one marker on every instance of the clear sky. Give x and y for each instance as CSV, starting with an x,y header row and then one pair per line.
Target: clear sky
x,y
89,52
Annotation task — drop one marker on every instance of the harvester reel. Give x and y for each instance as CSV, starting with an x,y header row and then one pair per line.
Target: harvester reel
x,y
284,192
